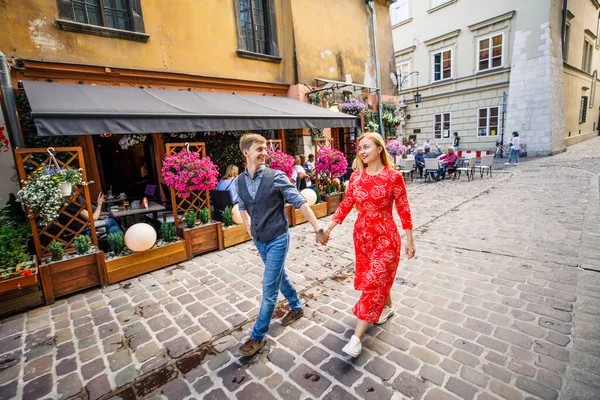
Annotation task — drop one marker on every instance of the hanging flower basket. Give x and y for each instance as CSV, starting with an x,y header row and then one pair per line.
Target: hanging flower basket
x,y
330,164
128,141
395,148
277,159
65,189
352,107
188,171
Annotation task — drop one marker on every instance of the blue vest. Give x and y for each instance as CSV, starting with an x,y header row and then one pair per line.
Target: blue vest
x,y
266,209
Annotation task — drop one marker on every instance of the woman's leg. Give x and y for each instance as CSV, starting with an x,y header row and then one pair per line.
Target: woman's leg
x,y
517,156
510,156
361,328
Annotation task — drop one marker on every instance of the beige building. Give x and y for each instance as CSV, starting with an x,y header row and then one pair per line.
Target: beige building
x,y
485,67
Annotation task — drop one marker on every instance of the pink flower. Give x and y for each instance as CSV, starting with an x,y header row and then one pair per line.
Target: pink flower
x,y
187,172
331,162
277,159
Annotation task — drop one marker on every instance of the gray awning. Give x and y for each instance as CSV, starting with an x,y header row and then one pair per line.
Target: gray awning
x,y
65,109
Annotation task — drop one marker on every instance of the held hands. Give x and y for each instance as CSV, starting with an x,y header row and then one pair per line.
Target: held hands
x,y
322,238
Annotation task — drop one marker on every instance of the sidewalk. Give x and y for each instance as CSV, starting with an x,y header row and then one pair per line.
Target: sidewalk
x,y
501,302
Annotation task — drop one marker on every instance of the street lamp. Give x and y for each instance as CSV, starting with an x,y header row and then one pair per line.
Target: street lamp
x,y
402,79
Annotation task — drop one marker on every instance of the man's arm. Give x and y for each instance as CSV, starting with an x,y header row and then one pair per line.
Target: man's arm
x,y
247,221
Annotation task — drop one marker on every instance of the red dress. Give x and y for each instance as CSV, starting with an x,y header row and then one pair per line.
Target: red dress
x,y
376,236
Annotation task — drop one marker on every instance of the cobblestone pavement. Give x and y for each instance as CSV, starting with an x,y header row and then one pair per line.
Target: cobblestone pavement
x,y
501,302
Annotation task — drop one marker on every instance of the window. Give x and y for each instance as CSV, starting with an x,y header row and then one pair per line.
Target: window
x,y
441,126
583,110
566,41
255,26
588,52
490,52
487,121
435,3
110,13
399,12
442,65
403,71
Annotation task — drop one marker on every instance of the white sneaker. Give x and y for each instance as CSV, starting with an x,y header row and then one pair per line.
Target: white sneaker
x,y
516,164
506,163
385,315
354,347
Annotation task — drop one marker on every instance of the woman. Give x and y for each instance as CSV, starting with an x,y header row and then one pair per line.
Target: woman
x,y
226,182
373,188
515,147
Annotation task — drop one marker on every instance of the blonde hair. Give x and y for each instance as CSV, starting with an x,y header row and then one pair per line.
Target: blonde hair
x,y
249,139
231,172
385,158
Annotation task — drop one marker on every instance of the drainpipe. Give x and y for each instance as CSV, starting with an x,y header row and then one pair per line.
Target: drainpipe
x,y
8,93
377,72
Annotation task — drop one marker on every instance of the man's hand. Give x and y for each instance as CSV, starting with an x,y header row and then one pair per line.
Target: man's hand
x,y
100,199
322,238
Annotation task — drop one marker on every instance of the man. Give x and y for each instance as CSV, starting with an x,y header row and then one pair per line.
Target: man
x,y
456,142
309,165
432,154
420,161
302,180
426,146
448,161
261,193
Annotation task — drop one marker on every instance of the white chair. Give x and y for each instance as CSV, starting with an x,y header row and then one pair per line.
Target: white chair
x,y
431,167
409,169
469,168
486,165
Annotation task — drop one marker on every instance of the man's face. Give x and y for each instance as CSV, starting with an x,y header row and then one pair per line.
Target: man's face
x,y
311,158
256,154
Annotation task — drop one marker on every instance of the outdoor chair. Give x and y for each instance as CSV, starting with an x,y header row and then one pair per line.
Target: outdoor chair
x,y
452,170
468,167
220,199
431,167
485,165
409,169
150,191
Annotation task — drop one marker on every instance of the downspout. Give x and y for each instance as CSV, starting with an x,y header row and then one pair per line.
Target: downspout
x,y
563,25
377,72
8,93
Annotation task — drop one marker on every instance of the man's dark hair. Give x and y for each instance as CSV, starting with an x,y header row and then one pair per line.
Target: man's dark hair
x,y
515,133
455,133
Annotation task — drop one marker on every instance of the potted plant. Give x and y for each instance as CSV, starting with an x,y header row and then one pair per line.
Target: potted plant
x,y
277,159
116,242
396,149
353,107
63,274
330,165
188,171
232,233
124,264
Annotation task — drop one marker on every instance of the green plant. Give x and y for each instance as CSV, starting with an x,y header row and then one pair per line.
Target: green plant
x,y
316,133
190,219
204,216
315,99
12,251
318,195
70,175
116,242
343,187
227,217
56,250
167,232
82,244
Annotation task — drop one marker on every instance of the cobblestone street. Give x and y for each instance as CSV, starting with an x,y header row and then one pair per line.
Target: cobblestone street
x,y
501,302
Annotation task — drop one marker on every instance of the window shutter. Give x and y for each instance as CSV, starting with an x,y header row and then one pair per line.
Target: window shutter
x,y
136,13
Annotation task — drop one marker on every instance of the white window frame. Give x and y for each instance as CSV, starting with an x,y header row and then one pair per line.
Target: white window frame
x,y
490,48
441,52
443,120
487,122
588,54
435,3
395,8
403,73
567,42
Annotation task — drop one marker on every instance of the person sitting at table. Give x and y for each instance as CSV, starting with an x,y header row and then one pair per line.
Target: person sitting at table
x,y
432,154
226,182
448,161
420,161
302,179
64,218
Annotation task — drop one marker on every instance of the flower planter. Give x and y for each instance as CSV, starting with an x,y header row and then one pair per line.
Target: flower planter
x,y
289,214
235,235
333,201
60,278
202,238
20,293
320,210
129,266
65,189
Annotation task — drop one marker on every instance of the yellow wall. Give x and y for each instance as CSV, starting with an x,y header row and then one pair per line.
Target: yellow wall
x,y
185,37
334,38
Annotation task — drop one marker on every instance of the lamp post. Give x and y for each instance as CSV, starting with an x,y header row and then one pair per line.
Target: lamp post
x,y
401,79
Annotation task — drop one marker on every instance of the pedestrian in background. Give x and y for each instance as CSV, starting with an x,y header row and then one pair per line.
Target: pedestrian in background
x,y
374,188
456,141
515,148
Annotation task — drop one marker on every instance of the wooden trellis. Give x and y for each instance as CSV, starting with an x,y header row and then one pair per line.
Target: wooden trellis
x,y
64,231
198,199
321,180
275,144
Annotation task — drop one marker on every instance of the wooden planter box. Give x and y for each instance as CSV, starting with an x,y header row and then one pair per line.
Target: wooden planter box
x,y
333,201
60,278
202,239
235,235
125,267
289,214
320,211
17,294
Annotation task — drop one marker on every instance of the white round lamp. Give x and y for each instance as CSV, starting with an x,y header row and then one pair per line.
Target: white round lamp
x,y
237,215
310,196
140,237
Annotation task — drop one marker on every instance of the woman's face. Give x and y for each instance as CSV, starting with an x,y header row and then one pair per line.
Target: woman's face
x,y
368,151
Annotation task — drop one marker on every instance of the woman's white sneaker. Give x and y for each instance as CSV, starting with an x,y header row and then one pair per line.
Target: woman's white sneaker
x,y
354,347
385,315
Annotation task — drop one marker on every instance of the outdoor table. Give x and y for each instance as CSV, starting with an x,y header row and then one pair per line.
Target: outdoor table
x,y
109,202
153,207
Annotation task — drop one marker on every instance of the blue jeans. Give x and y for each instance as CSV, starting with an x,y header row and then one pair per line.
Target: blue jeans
x,y
513,154
275,278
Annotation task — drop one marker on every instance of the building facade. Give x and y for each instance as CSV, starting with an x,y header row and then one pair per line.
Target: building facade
x,y
259,47
485,70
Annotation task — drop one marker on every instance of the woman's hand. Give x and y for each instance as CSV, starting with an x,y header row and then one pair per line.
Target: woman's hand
x,y
410,249
100,199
